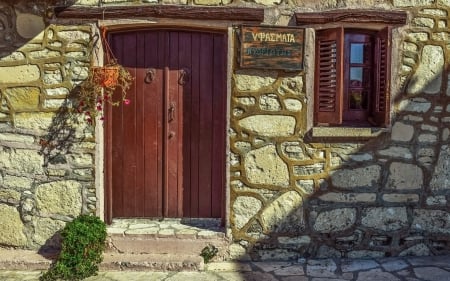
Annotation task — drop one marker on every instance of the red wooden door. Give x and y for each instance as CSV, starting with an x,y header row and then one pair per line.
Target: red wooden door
x,y
165,151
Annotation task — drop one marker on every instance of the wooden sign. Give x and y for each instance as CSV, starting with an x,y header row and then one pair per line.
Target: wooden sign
x,y
272,47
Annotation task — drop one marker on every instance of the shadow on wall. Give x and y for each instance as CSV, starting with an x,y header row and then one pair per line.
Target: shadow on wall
x,y
47,152
294,197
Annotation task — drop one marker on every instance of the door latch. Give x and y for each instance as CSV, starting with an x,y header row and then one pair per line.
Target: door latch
x,y
184,76
150,75
171,112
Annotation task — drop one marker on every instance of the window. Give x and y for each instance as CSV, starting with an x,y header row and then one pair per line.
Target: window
x,y
352,77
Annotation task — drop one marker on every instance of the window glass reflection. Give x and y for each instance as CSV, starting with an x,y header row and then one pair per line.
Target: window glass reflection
x,y
356,53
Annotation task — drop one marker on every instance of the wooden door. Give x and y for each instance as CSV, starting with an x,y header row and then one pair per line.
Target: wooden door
x,y
165,151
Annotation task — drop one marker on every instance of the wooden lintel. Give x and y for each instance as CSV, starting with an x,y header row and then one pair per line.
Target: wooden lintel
x,y
161,11
353,16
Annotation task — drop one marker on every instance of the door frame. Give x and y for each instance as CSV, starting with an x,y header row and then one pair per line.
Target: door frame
x,y
102,173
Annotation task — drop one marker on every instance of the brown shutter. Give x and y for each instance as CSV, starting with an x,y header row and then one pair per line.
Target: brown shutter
x,y
381,108
328,77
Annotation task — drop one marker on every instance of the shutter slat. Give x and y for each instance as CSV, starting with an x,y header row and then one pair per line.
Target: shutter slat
x,y
328,76
381,110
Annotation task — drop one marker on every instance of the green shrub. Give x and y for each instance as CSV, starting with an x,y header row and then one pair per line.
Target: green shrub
x,y
208,253
83,243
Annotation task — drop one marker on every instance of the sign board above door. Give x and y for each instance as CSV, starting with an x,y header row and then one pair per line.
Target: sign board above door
x,y
272,47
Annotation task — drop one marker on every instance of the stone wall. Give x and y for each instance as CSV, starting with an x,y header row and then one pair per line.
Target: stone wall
x,y
46,153
293,195
290,195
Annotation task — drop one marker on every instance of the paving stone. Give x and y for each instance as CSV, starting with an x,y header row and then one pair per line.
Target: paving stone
x,y
295,278
321,268
248,276
393,264
291,270
358,265
228,266
376,275
271,266
431,273
430,261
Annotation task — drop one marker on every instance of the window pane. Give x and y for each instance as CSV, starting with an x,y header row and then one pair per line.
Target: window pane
x,y
356,76
356,53
358,99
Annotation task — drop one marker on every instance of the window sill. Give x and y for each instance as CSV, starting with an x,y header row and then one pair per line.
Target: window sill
x,y
347,132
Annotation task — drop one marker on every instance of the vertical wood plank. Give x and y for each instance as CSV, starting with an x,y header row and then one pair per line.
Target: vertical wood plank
x,y
219,103
195,121
116,147
172,123
140,109
153,131
185,126
206,58
129,124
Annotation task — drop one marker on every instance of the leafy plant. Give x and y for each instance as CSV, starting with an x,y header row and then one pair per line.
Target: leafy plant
x,y
81,250
104,85
208,253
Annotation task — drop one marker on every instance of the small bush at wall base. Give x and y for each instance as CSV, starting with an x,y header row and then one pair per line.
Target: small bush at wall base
x,y
81,250
208,253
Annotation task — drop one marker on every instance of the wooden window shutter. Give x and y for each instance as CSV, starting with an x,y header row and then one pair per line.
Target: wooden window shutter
x,y
329,76
381,110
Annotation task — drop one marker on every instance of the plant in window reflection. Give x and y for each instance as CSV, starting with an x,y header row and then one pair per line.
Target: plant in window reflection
x,y
105,85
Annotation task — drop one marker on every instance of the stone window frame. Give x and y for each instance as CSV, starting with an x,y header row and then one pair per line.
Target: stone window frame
x,y
370,20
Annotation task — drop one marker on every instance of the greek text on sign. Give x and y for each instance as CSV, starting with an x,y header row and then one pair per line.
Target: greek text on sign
x,y
272,47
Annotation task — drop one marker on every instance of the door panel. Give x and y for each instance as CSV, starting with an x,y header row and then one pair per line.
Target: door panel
x,y
166,150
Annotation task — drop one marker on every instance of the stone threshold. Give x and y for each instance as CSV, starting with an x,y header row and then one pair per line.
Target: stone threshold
x,y
166,228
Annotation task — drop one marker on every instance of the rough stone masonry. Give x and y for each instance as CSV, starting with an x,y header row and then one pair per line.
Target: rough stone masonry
x,y
290,195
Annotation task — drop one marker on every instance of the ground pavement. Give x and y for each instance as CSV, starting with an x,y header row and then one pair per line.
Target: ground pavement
x,y
436,268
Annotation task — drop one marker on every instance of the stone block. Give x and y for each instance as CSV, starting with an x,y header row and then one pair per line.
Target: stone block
x,y
441,174
419,105
428,76
34,121
269,102
23,98
335,220
412,3
29,26
74,35
293,105
22,161
404,176
386,219
416,250
244,208
401,198
269,125
291,85
284,214
17,138
45,229
9,196
338,197
359,177
11,227
423,22
396,152
19,74
15,182
402,132
252,80
431,221
59,198
265,166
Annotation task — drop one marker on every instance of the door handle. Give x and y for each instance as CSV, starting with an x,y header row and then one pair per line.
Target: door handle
x,y
171,112
150,75
184,76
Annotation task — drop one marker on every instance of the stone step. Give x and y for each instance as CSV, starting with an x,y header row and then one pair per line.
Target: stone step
x,y
151,262
166,246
